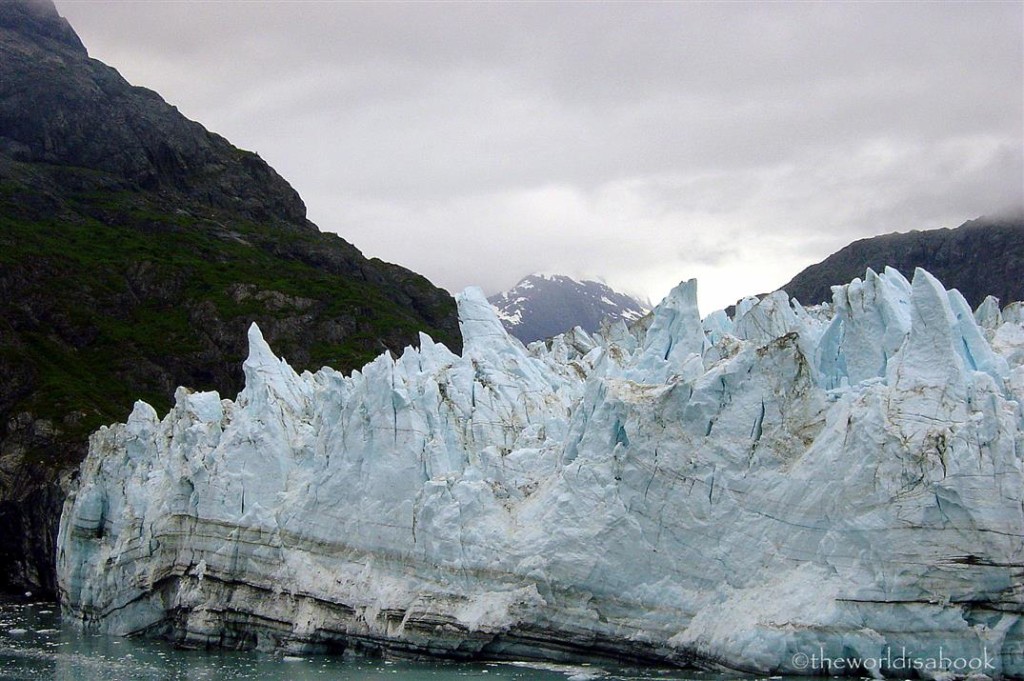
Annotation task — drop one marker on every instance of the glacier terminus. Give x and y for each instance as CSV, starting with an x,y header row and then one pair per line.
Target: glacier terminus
x,y
734,492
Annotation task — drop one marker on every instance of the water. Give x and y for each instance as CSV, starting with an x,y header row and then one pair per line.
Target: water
x,y
34,645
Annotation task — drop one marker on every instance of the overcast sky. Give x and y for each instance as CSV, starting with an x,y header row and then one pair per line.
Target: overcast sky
x,y
643,144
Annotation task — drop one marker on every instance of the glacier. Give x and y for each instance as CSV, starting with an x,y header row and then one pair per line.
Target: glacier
x,y
729,493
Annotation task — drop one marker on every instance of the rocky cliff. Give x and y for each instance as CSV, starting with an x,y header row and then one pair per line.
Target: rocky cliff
x,y
135,249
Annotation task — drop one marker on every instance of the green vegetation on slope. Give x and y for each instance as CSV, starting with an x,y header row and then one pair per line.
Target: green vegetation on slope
x,y
112,296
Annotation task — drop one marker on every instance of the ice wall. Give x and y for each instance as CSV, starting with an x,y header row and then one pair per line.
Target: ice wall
x,y
733,493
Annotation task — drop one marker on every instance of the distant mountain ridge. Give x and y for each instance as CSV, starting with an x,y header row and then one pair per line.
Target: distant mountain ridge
x,y
541,306
979,258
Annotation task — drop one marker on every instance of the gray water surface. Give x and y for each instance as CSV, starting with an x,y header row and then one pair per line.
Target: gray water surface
x,y
35,645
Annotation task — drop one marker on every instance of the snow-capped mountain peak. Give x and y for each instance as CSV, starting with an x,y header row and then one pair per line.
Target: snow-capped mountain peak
x,y
543,305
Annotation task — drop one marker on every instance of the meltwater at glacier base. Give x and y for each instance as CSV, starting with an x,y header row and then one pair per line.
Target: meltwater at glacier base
x,y
843,481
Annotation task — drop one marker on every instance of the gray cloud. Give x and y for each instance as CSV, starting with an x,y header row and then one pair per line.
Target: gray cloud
x,y
642,143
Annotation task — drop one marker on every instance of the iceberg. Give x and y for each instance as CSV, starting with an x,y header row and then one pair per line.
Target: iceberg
x,y
744,493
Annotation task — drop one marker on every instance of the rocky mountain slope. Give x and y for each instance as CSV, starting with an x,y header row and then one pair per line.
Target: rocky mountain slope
x,y
541,306
979,258
136,247
738,492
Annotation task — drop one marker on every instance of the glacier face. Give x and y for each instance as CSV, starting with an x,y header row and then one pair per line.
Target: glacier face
x,y
841,480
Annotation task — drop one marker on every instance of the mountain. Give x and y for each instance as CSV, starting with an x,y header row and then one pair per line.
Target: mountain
x,y
136,247
979,258
541,306
738,493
